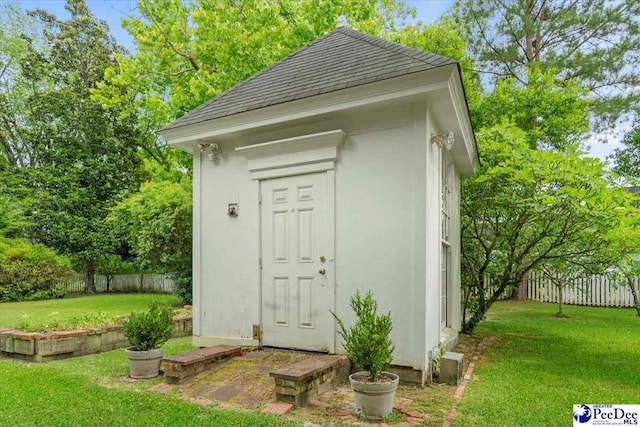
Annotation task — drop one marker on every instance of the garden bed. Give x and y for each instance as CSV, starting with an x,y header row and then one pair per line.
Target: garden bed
x,y
42,347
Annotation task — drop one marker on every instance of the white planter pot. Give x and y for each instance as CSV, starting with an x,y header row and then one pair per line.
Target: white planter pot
x,y
144,364
374,399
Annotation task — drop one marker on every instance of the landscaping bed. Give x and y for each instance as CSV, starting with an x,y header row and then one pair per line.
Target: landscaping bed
x,y
42,347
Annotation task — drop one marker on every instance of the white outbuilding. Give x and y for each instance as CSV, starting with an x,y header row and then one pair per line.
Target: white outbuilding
x,y
336,169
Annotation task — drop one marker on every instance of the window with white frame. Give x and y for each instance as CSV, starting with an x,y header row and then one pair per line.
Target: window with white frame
x,y
445,232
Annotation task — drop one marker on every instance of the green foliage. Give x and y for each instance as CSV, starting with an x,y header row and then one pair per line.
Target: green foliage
x,y
71,158
593,41
554,114
627,158
443,38
12,220
368,342
56,321
31,272
109,264
157,224
149,329
526,208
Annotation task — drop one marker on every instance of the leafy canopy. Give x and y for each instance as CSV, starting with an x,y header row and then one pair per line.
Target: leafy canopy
x,y
526,208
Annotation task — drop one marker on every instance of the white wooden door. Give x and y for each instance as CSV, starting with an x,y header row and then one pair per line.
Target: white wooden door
x,y
297,272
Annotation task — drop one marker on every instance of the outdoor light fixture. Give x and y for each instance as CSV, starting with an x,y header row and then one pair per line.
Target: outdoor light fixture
x,y
214,150
443,141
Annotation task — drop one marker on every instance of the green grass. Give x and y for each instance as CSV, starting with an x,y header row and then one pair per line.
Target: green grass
x,y
94,390
67,313
535,366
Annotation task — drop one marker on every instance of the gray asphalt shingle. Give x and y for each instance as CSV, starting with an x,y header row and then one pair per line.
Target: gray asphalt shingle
x,y
341,59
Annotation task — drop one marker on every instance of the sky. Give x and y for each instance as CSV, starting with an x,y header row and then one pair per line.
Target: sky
x,y
112,11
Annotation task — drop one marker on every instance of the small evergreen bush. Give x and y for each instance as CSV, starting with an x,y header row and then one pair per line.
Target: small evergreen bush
x,y
149,329
368,342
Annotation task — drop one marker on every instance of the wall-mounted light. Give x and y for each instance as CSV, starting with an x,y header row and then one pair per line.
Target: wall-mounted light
x,y
443,141
214,150
232,209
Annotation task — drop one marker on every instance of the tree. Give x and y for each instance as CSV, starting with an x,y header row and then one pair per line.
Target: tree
x,y
527,208
594,41
553,114
627,159
156,222
624,247
76,158
189,52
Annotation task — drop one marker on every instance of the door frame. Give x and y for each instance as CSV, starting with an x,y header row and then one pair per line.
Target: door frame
x,y
330,252
299,155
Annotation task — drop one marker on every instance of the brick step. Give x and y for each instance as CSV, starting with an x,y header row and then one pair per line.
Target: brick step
x,y
307,379
178,369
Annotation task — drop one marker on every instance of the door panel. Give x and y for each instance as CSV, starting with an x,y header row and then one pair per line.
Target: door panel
x,y
297,277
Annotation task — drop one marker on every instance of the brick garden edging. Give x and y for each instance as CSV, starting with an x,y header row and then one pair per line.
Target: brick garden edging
x,y
42,347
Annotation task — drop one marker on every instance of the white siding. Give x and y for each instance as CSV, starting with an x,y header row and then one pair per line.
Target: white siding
x,y
386,228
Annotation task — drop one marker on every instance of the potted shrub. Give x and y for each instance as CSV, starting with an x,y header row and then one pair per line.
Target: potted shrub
x,y
369,347
147,331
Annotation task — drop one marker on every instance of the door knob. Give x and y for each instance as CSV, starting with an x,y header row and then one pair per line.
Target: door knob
x,y
322,271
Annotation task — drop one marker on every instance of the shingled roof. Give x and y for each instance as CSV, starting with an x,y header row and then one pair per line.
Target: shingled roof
x,y
340,59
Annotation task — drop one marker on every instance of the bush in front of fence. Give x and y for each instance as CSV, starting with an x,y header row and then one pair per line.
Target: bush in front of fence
x,y
31,272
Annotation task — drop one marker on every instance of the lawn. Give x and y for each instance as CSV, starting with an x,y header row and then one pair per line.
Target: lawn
x,y
535,366
532,369
95,390
73,311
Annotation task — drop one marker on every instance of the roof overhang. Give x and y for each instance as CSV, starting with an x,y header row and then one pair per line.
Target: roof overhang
x,y
446,78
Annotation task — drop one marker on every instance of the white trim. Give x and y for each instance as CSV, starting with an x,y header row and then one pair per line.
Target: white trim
x,y
289,145
460,107
293,156
292,170
200,341
196,260
331,247
386,90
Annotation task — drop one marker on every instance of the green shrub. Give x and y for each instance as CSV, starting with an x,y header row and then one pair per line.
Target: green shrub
x,y
149,329
30,272
368,342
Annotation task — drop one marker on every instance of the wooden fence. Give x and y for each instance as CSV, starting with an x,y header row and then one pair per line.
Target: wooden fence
x,y
595,290
160,283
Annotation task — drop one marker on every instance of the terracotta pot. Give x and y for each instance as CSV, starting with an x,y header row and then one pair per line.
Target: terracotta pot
x,y
144,364
374,399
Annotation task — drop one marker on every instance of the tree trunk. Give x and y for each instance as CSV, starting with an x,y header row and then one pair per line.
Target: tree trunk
x,y
87,270
469,326
560,300
634,292
520,294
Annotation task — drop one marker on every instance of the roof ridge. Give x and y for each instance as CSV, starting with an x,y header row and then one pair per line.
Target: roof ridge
x,y
411,52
